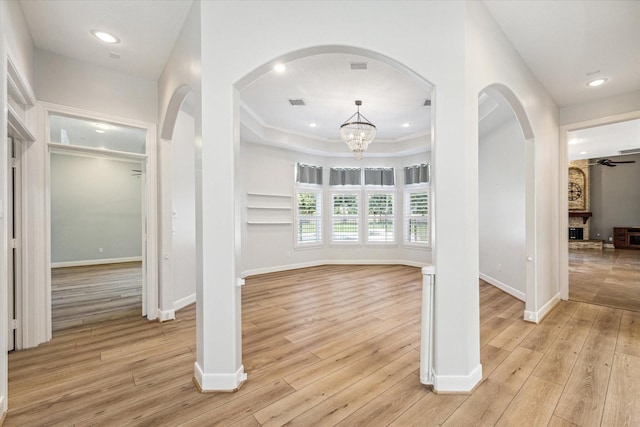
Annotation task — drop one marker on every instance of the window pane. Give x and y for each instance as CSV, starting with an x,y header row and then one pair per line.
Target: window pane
x,y
380,224
345,223
309,214
94,134
417,218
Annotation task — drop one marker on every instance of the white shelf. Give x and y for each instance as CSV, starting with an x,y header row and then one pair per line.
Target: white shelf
x,y
269,195
269,222
283,208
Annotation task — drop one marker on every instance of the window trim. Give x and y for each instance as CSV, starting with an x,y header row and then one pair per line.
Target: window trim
x,y
355,190
387,190
319,191
408,190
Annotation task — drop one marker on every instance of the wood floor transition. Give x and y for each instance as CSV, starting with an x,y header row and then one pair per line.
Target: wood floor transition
x,y
336,345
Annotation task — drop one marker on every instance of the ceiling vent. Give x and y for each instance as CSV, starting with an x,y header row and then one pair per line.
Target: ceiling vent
x,y
358,65
297,102
427,103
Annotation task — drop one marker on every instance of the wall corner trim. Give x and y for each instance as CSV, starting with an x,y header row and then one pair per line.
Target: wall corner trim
x,y
218,382
537,316
457,383
166,315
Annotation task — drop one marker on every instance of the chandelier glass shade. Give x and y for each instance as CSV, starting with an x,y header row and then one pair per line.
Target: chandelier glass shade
x,y
357,132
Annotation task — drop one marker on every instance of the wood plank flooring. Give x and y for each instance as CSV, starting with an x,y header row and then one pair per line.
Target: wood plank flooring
x,y
94,293
608,277
336,345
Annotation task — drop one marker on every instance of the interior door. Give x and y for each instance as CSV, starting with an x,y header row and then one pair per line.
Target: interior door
x,y
11,262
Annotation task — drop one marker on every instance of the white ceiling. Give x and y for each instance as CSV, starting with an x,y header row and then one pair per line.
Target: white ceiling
x,y
148,29
565,43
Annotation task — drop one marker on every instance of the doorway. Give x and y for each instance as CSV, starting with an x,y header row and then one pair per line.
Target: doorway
x,y
604,206
96,238
102,190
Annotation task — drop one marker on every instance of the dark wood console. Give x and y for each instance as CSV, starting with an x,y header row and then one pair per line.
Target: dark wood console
x,y
626,237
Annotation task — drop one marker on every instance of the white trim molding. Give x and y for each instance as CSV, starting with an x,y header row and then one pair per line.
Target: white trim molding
x,y
537,316
503,287
183,302
457,383
218,382
94,262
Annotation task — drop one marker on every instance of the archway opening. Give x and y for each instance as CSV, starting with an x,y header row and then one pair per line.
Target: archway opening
x,y
505,186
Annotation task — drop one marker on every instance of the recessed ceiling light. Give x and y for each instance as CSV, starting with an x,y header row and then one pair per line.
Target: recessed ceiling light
x,y
99,131
102,126
583,152
105,37
597,82
313,125
279,68
406,125
574,141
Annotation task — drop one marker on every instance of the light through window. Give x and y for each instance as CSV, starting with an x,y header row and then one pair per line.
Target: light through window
x,y
417,217
344,221
380,217
309,217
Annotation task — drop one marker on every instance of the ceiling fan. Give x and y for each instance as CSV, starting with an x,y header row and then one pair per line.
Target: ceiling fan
x,y
610,163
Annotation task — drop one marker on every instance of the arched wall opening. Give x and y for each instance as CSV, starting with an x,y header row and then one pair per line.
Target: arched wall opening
x,y
177,227
506,195
268,153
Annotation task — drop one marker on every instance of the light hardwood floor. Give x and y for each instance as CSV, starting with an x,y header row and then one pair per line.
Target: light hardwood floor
x,y
337,345
94,293
608,277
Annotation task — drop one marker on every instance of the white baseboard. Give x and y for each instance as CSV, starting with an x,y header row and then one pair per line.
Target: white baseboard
x,y
504,287
183,302
537,316
94,262
457,383
218,382
276,269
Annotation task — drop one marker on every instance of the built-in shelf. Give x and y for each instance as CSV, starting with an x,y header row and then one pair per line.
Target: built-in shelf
x,y
269,222
284,208
268,209
269,195
584,215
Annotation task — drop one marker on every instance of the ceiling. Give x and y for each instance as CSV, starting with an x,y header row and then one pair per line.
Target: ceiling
x,y
604,141
565,44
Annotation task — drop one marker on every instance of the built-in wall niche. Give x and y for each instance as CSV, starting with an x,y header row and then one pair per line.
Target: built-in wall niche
x,y
269,209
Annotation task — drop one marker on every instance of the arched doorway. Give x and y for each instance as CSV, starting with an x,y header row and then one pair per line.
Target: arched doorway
x,y
506,187
177,228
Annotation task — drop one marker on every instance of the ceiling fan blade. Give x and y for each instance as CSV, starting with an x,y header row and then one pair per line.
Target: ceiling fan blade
x,y
625,161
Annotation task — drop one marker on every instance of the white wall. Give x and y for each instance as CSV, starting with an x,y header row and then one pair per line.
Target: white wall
x,y
615,196
179,79
15,41
492,59
184,210
605,107
78,84
266,248
96,203
501,193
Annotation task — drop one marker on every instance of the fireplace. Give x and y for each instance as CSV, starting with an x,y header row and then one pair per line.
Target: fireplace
x,y
576,233
634,240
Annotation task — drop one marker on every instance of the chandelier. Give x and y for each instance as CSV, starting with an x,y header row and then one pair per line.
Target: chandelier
x,y
357,132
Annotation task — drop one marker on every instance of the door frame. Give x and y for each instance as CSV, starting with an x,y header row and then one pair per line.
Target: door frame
x,y
563,191
150,199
